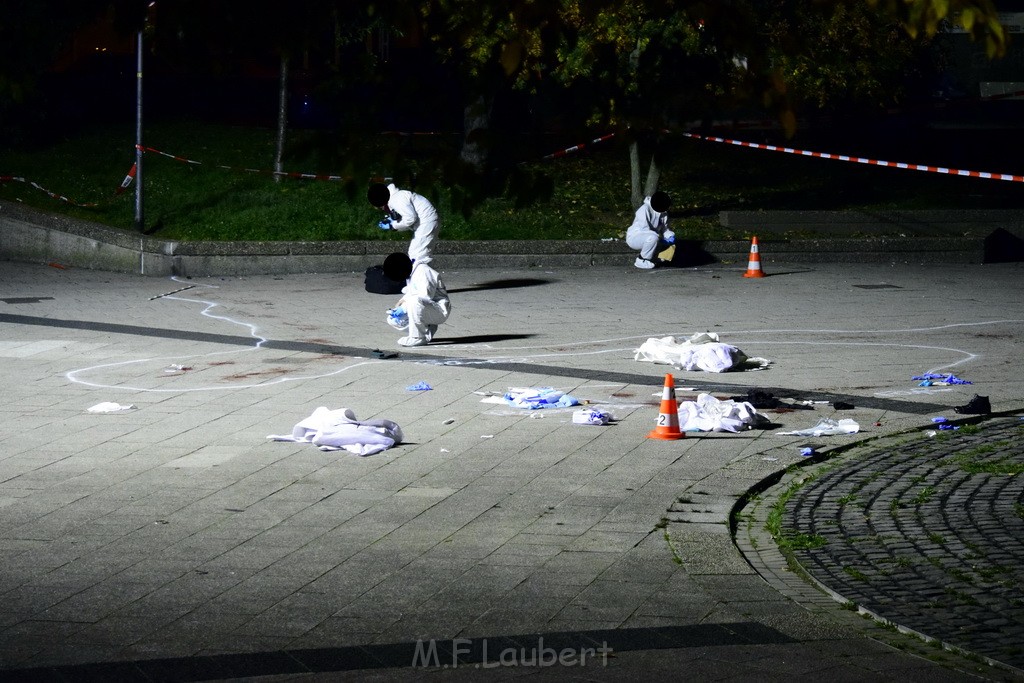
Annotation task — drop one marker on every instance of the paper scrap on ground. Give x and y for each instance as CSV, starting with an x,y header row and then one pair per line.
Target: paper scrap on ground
x,y
709,414
827,427
701,351
533,398
333,430
108,407
177,368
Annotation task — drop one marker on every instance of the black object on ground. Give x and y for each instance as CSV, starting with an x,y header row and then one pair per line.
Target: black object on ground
x,y
978,405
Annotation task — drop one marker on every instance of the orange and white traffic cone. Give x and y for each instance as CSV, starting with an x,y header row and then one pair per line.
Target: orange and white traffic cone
x,y
668,414
754,264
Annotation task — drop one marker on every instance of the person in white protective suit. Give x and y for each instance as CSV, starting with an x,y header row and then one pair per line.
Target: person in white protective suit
x,y
406,211
424,297
650,228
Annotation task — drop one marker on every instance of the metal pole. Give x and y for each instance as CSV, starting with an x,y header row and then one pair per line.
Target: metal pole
x,y
139,220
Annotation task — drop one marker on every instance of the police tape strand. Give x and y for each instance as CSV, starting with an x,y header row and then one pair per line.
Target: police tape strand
x,y
53,195
303,176
862,160
577,148
130,176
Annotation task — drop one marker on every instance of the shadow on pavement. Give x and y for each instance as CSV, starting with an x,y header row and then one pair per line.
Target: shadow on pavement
x,y
480,339
503,284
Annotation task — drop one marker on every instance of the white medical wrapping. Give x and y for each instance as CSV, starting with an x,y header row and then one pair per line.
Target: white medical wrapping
x,y
702,351
827,427
708,414
332,430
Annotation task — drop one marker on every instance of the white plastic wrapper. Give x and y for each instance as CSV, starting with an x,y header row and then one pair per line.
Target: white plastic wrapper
x,y
398,318
590,416
109,407
827,427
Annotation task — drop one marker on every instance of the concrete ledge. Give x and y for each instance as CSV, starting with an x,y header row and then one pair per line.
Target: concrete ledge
x,y
928,223
33,236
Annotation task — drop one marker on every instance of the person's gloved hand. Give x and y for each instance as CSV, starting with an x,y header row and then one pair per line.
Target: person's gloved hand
x,y
385,224
668,237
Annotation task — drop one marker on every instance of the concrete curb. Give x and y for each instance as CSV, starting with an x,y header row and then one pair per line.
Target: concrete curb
x,y
31,236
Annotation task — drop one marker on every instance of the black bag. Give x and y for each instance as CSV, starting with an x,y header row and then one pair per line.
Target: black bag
x,y
377,283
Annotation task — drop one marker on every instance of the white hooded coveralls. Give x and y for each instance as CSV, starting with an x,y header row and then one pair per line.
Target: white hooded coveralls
x,y
410,211
648,228
425,300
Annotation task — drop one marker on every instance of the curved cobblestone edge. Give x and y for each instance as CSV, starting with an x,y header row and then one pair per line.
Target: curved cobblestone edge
x,y
782,571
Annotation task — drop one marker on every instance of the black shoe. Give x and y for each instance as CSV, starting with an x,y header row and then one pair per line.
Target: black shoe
x,y
979,405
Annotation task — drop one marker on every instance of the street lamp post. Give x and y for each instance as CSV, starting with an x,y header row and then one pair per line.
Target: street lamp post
x,y
139,219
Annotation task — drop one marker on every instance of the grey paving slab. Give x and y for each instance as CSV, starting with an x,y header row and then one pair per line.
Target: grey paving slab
x,y
176,532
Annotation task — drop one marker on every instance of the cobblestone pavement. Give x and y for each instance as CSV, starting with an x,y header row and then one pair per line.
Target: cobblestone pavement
x,y
926,533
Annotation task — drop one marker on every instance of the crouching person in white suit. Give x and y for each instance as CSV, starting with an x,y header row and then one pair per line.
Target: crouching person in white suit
x,y
650,229
424,297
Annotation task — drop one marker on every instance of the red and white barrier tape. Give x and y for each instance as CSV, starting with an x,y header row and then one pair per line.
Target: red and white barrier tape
x,y
127,179
862,160
53,195
304,176
576,148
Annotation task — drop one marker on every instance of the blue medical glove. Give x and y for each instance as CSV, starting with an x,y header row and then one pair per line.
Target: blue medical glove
x,y
669,237
385,224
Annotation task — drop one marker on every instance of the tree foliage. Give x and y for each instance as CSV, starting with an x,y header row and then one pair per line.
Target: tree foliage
x,y
32,35
664,58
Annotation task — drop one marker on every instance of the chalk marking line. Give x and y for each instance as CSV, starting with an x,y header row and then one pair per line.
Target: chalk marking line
x,y
259,341
573,349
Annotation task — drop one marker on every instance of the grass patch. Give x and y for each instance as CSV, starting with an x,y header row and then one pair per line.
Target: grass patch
x,y
856,574
578,196
975,461
960,595
924,495
798,542
849,498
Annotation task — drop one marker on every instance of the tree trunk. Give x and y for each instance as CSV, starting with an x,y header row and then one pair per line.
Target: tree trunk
x,y
477,124
282,119
635,194
650,186
653,175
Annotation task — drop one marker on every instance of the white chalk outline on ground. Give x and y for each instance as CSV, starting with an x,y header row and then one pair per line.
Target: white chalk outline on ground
x,y
968,355
73,375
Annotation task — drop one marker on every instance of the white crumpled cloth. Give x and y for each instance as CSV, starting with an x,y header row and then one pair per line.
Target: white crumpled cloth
x,y
827,427
333,430
709,414
702,351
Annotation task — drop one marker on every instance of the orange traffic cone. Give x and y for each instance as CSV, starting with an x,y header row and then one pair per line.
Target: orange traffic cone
x,y
754,264
668,415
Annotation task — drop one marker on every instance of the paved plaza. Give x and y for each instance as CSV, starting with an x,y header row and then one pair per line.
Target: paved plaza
x,y
172,540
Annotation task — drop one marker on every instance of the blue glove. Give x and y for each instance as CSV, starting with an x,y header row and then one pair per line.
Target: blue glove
x,y
669,237
385,224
